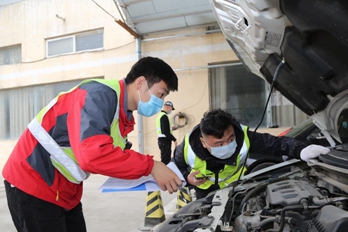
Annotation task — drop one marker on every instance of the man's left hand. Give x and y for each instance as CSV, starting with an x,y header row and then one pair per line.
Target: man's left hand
x,y
313,151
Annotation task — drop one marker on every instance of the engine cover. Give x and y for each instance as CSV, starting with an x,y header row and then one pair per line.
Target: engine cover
x,y
290,192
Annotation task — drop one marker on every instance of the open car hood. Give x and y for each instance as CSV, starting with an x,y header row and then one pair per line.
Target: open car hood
x,y
311,37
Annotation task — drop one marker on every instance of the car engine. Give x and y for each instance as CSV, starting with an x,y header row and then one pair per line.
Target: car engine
x,y
290,196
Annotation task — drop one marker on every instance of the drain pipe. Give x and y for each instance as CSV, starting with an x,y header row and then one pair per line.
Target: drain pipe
x,y
138,54
140,117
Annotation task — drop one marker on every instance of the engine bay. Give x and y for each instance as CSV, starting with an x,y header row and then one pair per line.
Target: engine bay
x,y
290,196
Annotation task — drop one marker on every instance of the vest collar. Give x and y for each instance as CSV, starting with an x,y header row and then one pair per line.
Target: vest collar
x,y
126,118
204,154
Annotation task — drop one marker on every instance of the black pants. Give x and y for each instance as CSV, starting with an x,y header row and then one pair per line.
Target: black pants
x,y
31,214
165,146
200,193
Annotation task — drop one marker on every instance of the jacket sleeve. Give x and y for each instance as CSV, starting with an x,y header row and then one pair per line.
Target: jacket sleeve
x,y
88,122
165,128
179,160
275,145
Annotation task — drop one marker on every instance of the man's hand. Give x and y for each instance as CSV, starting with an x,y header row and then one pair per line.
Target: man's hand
x,y
191,178
313,151
165,177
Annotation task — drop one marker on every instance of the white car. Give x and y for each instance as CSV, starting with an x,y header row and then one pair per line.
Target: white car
x,y
301,48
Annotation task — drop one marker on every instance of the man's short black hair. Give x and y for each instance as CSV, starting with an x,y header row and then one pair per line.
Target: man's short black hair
x,y
216,122
154,70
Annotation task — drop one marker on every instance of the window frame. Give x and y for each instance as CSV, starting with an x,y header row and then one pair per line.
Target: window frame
x,y
280,111
98,31
220,94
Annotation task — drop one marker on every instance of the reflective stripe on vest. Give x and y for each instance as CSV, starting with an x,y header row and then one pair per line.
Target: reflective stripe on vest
x,y
63,159
228,174
58,156
158,125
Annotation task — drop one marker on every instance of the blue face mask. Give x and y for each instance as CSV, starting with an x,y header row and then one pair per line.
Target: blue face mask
x,y
152,107
224,152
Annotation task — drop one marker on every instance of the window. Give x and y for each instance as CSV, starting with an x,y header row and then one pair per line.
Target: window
x,y
60,46
75,43
239,92
10,55
19,106
244,95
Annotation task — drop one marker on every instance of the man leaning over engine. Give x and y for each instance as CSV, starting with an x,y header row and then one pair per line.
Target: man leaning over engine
x,y
212,155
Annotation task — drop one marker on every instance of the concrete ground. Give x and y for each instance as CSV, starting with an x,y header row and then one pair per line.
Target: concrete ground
x,y
107,212
118,212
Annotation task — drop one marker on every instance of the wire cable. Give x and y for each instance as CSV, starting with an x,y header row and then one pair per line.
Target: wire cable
x,y
177,117
104,10
262,117
77,53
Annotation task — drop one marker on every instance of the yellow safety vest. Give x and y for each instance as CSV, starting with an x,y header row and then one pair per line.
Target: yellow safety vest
x,y
158,125
63,158
229,173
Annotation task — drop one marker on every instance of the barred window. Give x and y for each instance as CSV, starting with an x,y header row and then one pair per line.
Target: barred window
x,y
19,106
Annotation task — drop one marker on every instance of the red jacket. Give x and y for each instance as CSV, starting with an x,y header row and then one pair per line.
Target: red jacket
x,y
80,120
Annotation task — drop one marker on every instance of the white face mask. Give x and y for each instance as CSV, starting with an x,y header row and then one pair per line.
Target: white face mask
x,y
223,152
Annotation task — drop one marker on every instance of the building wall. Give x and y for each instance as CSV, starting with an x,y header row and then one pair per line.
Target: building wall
x,y
190,56
30,22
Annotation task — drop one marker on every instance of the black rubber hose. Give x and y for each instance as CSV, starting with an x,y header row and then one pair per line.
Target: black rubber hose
x,y
282,216
257,190
265,222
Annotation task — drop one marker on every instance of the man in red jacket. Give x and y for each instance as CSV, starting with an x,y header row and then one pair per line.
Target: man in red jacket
x,y
84,131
